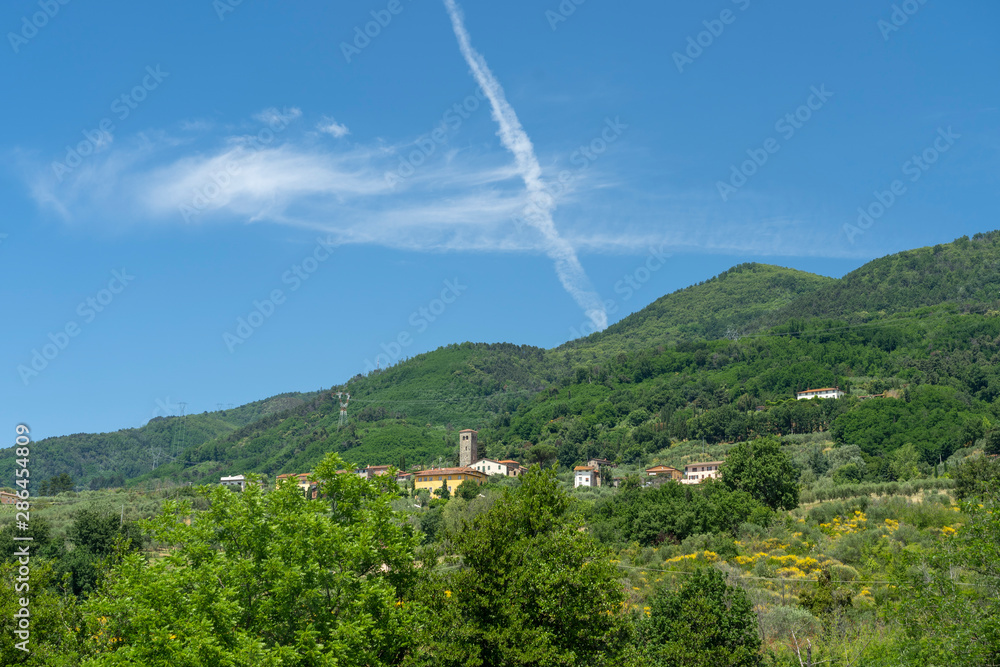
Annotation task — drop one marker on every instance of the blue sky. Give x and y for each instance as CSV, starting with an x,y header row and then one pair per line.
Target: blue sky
x,y
480,171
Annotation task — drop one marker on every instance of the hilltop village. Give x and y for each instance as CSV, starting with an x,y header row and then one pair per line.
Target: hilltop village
x,y
595,473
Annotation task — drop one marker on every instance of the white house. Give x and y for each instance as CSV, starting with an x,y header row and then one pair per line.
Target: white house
x,y
826,392
695,472
234,483
492,467
586,476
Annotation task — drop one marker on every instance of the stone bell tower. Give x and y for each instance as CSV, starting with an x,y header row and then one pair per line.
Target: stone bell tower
x,y
468,448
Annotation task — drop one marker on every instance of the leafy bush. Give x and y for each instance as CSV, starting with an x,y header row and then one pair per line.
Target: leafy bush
x,y
779,622
704,623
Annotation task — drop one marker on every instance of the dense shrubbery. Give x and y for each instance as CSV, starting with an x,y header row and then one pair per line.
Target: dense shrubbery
x,y
672,512
514,576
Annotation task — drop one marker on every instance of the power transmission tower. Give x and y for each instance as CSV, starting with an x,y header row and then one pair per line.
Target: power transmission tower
x,y
180,432
343,407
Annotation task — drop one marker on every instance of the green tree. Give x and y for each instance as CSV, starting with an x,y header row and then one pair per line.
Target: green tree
x,y
42,543
975,475
704,623
61,483
544,455
53,642
951,607
760,468
905,464
467,490
825,599
443,492
266,579
97,533
992,445
431,521
95,537
533,589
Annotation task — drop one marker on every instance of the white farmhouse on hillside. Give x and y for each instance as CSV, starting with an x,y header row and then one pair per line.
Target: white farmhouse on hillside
x,y
695,472
493,467
827,392
237,482
586,476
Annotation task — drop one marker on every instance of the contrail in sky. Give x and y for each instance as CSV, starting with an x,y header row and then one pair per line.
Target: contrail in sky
x,y
514,138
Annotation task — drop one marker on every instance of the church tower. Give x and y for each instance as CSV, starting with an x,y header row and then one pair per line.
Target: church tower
x,y
468,448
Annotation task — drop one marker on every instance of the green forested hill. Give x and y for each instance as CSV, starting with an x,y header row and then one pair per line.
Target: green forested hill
x,y
754,297
728,302
941,367
410,411
716,362
96,460
965,272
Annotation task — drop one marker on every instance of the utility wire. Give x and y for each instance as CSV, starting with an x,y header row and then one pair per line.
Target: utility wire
x,y
784,579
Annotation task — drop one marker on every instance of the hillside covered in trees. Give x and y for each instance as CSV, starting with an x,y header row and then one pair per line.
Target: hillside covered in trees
x,y
716,362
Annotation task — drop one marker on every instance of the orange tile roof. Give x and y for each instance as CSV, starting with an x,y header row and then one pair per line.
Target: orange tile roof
x,y
448,471
810,391
588,468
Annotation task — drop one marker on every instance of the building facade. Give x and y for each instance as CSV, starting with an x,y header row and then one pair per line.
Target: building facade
x,y
468,447
695,472
371,472
664,472
435,478
491,467
586,476
309,489
514,469
238,482
826,392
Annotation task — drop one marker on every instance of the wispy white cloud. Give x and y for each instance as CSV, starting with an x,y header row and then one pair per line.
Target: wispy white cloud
x,y
333,128
460,200
464,197
785,238
272,116
540,213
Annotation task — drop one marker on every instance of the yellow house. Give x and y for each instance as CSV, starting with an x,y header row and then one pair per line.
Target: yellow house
x,y
434,478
